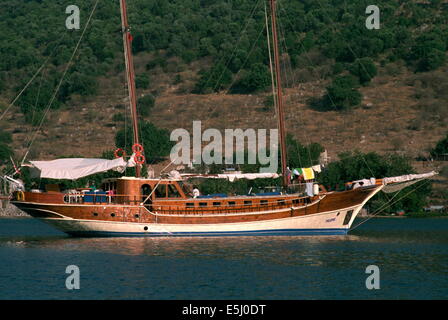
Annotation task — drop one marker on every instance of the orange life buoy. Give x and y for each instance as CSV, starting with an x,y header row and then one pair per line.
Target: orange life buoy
x,y
137,148
139,159
117,155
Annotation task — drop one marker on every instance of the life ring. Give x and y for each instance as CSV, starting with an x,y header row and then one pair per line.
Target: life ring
x,y
117,155
139,159
20,196
137,148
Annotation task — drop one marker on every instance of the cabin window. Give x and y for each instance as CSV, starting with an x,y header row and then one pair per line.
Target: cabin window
x,y
190,205
295,201
146,191
264,202
281,202
112,214
231,203
136,216
161,191
95,214
172,191
202,204
216,204
247,203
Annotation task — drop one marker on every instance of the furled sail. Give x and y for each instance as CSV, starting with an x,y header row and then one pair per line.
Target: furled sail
x,y
75,168
233,176
394,184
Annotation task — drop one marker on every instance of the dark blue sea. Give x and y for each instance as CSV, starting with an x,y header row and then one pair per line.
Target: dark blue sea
x,y
411,254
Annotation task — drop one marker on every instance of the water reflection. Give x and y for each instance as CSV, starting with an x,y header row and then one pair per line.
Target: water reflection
x,y
410,253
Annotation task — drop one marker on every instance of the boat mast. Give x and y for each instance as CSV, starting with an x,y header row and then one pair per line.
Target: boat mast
x,y
280,114
127,39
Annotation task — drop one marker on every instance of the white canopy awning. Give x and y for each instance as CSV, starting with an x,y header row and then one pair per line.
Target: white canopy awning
x,y
76,168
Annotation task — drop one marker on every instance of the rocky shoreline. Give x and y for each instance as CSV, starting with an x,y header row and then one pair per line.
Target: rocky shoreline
x,y
8,210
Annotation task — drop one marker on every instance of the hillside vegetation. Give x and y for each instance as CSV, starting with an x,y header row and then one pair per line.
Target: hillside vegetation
x,y
186,50
346,87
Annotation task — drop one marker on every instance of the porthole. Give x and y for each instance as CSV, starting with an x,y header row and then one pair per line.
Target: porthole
x,y
112,214
95,214
137,216
145,228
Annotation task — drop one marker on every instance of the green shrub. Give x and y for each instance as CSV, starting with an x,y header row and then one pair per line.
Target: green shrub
x,y
142,81
431,61
356,165
118,117
301,156
5,137
145,104
213,80
441,147
364,69
258,78
343,94
5,153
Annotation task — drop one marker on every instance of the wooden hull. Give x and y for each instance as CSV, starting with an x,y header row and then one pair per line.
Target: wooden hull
x,y
330,213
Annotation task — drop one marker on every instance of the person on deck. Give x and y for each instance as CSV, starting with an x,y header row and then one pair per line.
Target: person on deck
x,y
196,192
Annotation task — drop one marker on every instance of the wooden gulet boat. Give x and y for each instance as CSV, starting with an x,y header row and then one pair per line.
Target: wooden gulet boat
x,y
136,206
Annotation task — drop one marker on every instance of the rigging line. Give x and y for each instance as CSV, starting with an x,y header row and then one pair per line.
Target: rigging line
x,y
242,31
377,212
63,76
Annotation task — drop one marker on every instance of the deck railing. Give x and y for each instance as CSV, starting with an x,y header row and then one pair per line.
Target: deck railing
x,y
191,206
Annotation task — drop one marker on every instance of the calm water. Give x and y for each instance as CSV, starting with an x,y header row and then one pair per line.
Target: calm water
x,y
412,255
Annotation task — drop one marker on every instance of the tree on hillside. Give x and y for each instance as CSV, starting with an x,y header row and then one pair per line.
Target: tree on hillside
x,y
356,165
441,147
429,51
5,137
34,101
343,94
145,104
257,78
5,153
142,81
364,69
302,156
215,79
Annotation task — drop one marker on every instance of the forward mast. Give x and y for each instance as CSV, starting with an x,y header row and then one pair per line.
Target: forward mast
x,y
130,75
